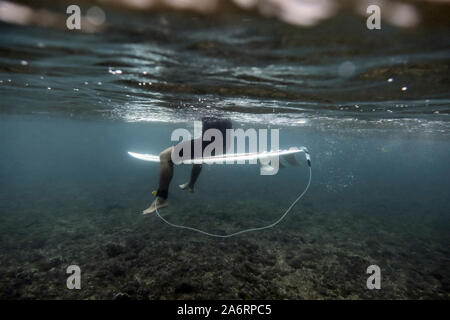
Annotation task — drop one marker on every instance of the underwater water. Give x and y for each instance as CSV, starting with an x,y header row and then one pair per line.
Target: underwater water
x,y
372,107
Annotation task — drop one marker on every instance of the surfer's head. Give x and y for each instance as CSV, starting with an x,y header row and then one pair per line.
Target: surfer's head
x,y
216,123
219,124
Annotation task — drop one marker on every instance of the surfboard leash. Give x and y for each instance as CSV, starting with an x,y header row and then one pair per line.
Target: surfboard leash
x,y
281,218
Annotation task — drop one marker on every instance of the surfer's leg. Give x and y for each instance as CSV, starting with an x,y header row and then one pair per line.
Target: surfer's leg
x,y
195,172
165,176
165,169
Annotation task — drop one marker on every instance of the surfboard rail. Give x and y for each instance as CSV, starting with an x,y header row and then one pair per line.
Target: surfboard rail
x,y
231,158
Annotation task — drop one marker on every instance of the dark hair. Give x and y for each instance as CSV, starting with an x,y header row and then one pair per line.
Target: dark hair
x,y
216,123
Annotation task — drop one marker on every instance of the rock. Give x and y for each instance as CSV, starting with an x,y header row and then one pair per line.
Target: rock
x,y
357,264
296,263
55,261
438,276
135,245
387,254
35,256
53,273
24,275
50,263
113,250
116,270
131,256
252,269
121,296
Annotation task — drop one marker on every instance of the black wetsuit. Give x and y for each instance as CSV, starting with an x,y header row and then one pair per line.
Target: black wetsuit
x,y
207,123
211,123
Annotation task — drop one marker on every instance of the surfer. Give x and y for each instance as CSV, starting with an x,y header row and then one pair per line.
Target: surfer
x,y
167,156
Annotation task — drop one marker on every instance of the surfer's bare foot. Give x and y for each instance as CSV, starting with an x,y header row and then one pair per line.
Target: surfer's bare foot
x,y
158,203
185,186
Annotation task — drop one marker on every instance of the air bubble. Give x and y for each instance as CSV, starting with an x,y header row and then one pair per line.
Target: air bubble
x,y
96,16
347,69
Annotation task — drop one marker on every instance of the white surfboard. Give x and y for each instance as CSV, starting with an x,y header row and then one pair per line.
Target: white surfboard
x,y
287,154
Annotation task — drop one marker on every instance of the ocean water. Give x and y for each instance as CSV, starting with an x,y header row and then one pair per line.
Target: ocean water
x,y
372,107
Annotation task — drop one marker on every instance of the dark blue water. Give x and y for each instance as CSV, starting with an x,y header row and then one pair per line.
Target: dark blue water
x,y
70,194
